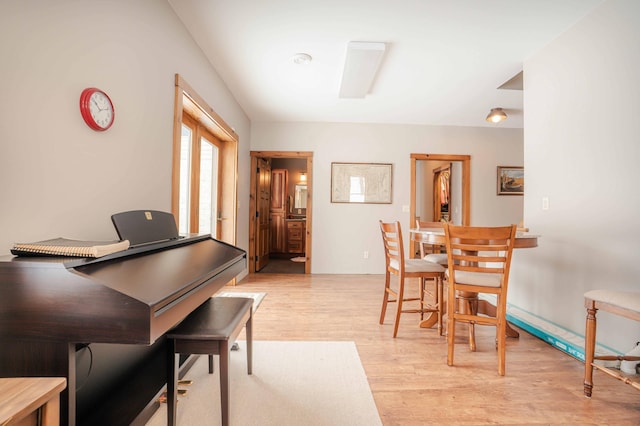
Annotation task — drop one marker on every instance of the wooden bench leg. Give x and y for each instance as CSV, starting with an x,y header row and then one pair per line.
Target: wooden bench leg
x,y
589,349
173,360
225,352
224,380
249,335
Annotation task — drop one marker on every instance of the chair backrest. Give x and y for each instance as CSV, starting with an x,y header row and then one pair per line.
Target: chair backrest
x,y
480,250
425,248
393,245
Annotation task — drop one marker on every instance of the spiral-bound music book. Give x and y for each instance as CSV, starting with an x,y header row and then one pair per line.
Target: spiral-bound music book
x,y
67,247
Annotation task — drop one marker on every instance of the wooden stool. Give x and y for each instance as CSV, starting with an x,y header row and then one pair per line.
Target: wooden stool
x,y
211,329
623,303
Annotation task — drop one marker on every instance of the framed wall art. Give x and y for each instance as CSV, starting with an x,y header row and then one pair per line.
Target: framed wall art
x,y
361,183
510,180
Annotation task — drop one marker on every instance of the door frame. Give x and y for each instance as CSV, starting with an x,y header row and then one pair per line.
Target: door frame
x,y
187,99
466,183
253,205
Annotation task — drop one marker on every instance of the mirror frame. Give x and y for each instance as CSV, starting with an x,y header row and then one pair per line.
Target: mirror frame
x,y
466,183
297,189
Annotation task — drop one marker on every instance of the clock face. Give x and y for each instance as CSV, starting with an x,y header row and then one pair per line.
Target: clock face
x,y
101,109
97,109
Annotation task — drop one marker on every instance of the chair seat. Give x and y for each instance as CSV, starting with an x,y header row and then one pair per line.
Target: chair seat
x,y
412,266
439,258
629,300
476,278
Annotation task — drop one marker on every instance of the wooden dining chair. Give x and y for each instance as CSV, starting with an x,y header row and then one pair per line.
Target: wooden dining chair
x,y
432,252
479,262
396,264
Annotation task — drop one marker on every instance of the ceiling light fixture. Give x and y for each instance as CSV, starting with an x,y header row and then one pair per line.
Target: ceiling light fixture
x,y
302,58
496,115
360,68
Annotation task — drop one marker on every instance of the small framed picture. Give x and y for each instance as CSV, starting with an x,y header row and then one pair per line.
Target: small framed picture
x,y
510,180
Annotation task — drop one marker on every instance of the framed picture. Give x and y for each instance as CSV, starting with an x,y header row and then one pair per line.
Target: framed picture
x,y
361,183
510,180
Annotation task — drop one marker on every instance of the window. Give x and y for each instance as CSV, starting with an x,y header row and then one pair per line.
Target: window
x,y
199,179
205,167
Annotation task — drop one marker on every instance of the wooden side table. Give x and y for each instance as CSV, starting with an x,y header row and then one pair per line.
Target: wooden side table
x,y
30,400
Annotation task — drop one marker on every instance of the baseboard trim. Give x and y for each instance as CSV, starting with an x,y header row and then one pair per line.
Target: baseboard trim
x,y
559,337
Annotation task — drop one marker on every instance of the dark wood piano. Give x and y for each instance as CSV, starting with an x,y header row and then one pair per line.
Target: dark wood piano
x,y
101,322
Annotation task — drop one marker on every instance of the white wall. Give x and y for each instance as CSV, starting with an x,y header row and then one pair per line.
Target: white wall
x,y
582,147
59,178
343,232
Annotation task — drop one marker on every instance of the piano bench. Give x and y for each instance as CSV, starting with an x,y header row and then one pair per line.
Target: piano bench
x,y
211,329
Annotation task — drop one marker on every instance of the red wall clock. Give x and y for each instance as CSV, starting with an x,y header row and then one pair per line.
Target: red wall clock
x,y
96,109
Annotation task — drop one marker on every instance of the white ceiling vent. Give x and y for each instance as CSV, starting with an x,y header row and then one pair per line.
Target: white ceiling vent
x,y
360,68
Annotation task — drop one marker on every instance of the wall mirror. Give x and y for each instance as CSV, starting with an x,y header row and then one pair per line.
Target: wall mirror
x,y
440,190
300,197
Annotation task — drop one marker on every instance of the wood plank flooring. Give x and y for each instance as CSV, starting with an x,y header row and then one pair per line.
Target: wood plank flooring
x,y
409,376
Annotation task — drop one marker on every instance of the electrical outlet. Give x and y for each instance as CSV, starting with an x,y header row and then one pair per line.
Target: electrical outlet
x,y
545,203
366,255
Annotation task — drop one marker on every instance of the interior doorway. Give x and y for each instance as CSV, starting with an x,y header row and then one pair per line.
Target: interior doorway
x,y
280,210
440,189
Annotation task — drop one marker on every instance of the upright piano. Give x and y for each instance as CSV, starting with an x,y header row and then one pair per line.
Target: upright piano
x,y
101,322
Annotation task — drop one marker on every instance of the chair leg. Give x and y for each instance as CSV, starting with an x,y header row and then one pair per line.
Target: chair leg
x,y
501,328
422,282
211,367
399,303
385,299
439,302
173,360
469,309
589,349
451,327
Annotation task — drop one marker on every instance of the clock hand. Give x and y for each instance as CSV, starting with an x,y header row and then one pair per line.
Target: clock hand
x,y
96,104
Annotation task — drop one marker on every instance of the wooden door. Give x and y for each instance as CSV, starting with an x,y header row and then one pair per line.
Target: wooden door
x,y
278,210
263,191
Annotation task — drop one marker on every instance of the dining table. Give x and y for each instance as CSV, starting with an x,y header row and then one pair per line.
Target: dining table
x,y
436,237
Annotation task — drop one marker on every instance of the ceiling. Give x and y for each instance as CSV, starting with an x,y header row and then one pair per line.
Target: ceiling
x,y
443,65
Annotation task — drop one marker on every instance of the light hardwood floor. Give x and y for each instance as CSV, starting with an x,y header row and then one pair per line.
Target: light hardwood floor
x,y
409,376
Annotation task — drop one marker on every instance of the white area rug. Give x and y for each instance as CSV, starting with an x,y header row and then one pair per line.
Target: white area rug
x,y
299,259
293,384
257,296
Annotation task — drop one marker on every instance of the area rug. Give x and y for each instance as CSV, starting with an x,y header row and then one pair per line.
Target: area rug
x,y
299,259
257,296
293,384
